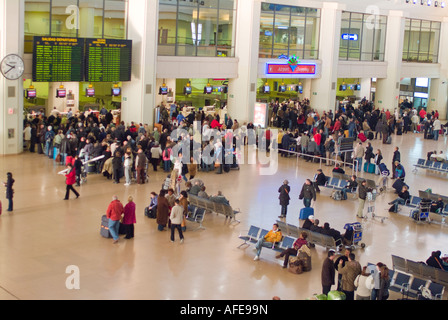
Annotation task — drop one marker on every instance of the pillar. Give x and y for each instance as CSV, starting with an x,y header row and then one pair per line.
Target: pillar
x,y
323,89
438,88
138,95
388,89
243,90
11,92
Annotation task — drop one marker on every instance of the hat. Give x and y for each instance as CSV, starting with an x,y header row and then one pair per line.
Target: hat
x,y
310,217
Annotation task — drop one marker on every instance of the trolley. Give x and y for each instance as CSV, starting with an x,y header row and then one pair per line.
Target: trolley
x,y
83,175
371,197
421,213
356,234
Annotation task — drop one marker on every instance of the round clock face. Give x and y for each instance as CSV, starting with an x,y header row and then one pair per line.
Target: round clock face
x,y
12,67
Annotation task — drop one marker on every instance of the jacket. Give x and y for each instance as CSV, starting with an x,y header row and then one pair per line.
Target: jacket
x,y
328,272
163,211
308,192
273,236
362,192
129,213
284,195
177,214
115,210
349,273
70,177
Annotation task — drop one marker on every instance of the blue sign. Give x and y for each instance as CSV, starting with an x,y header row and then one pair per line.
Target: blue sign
x,y
349,36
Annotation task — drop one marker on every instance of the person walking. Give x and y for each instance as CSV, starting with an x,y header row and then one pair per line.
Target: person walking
x,y
129,218
70,180
114,212
140,166
308,193
284,198
176,218
328,272
9,190
349,272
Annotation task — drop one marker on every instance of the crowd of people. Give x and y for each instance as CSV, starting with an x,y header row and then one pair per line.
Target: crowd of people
x,y
128,150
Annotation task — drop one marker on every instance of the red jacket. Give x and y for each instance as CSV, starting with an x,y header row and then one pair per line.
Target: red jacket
x,y
215,124
129,213
70,177
115,210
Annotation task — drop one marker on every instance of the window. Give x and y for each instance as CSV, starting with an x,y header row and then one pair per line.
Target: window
x,y
196,28
421,41
363,37
287,30
75,18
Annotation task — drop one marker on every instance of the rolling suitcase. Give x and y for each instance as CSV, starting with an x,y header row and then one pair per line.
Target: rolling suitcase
x,y
369,167
398,185
383,169
305,213
371,135
105,227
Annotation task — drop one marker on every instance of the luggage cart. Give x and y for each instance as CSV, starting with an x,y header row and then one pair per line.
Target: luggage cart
x,y
356,229
371,197
83,175
383,183
421,213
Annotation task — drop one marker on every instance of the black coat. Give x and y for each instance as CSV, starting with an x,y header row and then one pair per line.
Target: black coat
x,y
9,190
284,195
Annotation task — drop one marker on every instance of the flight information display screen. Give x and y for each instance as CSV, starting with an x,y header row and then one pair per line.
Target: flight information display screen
x,y
58,59
108,60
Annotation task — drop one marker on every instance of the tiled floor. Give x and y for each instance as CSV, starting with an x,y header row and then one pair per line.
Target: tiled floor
x,y
45,235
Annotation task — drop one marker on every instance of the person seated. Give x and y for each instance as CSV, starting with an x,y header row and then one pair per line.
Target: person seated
x,y
194,190
430,154
350,187
403,197
321,180
202,193
347,238
315,226
219,198
308,222
437,206
301,240
436,262
338,169
272,237
152,208
335,234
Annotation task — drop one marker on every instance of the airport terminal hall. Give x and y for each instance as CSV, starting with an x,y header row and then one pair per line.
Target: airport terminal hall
x,y
223,150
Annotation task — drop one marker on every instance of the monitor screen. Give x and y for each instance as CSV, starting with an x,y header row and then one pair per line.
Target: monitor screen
x,y
343,87
90,92
358,87
163,90
30,93
116,92
421,82
187,90
266,89
208,90
281,88
61,93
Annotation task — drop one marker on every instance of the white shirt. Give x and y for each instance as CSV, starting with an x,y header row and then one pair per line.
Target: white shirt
x,y
27,133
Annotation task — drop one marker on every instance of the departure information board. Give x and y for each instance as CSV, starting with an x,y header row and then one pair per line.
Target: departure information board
x,y
108,60
58,59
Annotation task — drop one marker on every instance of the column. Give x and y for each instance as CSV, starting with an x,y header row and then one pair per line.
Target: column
x,y
243,90
138,95
11,92
323,89
438,88
388,89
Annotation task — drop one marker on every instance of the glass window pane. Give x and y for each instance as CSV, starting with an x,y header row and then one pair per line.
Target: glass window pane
x,y
266,33
91,18
166,30
368,32
225,30
312,34
434,46
115,19
282,9
227,4
297,34
379,43
281,33
37,22
62,25
207,31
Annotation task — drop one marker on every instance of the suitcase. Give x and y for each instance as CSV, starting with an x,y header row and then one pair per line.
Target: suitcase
x,y
389,140
362,137
371,135
383,169
346,133
105,227
398,185
305,213
369,167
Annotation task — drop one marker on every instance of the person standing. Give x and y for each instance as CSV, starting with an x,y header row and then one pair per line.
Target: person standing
x,y
383,293
349,273
9,190
117,165
362,196
140,166
176,218
70,180
129,218
163,211
27,136
284,198
395,157
358,156
113,213
362,291
328,272
308,193
127,168
436,127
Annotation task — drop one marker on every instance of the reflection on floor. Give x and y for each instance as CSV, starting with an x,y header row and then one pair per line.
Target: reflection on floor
x,y
45,236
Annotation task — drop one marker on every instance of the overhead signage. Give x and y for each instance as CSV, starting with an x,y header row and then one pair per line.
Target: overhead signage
x,y
349,36
292,67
